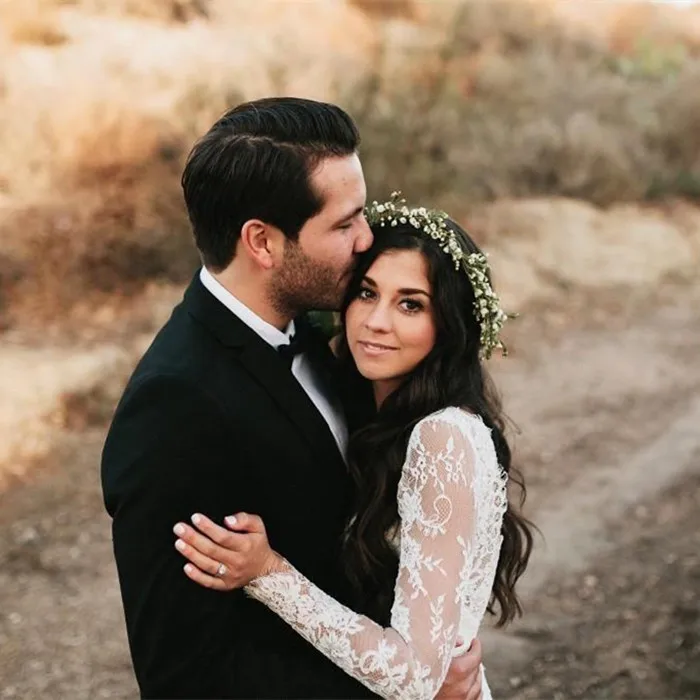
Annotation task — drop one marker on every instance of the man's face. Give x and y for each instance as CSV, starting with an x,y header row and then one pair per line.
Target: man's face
x,y
317,267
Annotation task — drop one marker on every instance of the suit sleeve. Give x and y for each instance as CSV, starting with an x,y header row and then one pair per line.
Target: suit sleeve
x,y
167,456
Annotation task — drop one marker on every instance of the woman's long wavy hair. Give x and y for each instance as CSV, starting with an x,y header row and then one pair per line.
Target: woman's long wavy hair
x,y
452,374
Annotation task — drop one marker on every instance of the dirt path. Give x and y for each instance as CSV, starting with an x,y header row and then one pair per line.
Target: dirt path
x,y
611,436
37,381
33,380
629,627
608,414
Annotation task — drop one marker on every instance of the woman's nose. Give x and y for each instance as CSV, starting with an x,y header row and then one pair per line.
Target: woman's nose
x,y
379,319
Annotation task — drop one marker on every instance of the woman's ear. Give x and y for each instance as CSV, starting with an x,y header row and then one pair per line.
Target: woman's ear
x,y
262,243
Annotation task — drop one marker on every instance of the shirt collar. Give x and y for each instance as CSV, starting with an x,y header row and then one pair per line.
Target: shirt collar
x,y
270,334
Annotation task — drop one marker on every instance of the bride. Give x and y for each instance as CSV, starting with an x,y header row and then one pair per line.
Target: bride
x,y
435,542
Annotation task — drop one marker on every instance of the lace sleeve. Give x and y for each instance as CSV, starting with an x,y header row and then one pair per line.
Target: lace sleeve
x,y
437,508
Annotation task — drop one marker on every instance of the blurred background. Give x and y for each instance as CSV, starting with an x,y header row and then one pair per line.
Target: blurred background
x,y
564,135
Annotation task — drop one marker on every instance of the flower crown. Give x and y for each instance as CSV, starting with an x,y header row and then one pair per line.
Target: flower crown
x,y
433,223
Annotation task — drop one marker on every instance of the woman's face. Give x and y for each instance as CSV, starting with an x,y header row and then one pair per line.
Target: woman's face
x,y
390,325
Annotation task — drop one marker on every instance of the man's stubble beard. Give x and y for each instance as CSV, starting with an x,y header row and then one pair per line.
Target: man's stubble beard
x,y
303,285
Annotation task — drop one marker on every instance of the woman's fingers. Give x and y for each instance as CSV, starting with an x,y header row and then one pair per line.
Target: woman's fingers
x,y
204,544
205,580
218,572
201,561
209,546
244,554
214,532
245,522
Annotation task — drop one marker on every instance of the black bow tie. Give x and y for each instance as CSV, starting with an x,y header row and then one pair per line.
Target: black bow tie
x,y
299,343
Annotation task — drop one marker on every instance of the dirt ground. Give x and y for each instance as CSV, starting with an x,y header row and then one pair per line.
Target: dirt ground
x,y
629,627
605,393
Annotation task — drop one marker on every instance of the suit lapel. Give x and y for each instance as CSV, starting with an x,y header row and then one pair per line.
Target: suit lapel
x,y
263,362
275,377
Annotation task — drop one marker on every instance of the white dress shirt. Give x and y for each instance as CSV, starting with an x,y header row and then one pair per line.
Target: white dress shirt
x,y
302,369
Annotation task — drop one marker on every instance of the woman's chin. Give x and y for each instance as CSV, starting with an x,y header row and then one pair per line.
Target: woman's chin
x,y
373,373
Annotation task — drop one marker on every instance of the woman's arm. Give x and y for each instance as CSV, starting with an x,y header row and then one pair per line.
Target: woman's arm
x,y
410,658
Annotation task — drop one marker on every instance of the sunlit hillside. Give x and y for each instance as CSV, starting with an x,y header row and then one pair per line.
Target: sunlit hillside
x,y
459,104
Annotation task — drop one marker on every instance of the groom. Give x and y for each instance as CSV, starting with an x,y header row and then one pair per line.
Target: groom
x,y
229,410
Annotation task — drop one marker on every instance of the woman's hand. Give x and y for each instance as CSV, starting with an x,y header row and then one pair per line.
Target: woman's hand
x,y
226,559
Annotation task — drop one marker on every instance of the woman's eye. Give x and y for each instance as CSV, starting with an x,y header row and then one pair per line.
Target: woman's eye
x,y
365,294
411,305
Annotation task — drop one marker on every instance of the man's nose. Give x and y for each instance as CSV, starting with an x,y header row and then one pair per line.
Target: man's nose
x,y
364,238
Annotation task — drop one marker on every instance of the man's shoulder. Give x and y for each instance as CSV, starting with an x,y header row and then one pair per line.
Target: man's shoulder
x,y
180,337
181,350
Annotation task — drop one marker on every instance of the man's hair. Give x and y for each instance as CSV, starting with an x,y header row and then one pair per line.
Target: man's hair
x,y
256,162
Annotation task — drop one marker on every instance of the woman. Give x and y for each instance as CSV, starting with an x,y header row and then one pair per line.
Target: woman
x,y
434,539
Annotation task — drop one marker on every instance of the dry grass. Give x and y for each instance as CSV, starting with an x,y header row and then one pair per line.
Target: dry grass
x,y
163,10
33,22
91,249
160,10
385,9
114,223
39,31
510,105
480,101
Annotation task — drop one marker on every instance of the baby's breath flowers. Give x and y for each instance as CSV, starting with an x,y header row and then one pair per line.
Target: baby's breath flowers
x,y
434,223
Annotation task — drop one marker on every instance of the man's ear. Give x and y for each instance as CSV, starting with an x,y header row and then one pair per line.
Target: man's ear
x,y
262,243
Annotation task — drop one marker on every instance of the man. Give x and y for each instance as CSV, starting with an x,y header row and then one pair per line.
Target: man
x,y
215,420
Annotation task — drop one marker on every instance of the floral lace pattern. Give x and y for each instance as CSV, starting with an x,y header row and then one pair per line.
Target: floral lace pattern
x,y
451,501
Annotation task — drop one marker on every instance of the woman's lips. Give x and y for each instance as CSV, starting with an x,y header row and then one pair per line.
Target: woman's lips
x,y
375,349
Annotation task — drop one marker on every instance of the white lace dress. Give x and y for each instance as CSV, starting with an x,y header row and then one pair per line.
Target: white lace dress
x,y
451,500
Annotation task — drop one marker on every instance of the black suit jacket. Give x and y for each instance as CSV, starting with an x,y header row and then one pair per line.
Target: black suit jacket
x,y
212,421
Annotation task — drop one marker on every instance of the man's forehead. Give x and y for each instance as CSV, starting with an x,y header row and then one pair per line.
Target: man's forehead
x,y
341,186
337,172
